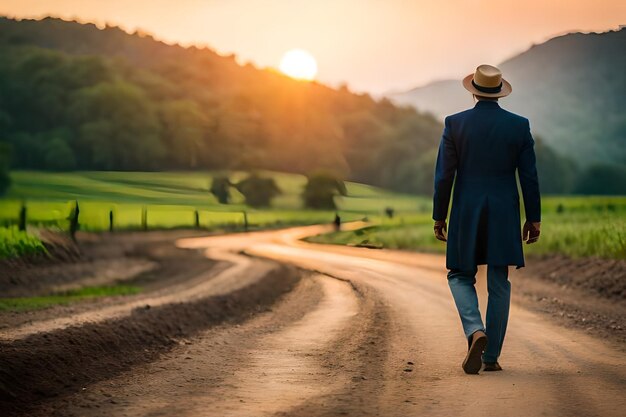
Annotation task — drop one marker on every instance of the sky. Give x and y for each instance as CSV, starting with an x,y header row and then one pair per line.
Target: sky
x,y
375,46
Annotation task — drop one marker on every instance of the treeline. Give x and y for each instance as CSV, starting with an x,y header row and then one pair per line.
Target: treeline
x,y
76,97
557,174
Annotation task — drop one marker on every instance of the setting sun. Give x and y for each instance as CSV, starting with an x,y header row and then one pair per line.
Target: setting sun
x,y
299,64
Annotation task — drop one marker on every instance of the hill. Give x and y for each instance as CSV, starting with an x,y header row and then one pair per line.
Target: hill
x,y
77,97
171,198
80,97
572,88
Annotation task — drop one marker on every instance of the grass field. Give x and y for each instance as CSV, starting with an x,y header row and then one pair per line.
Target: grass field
x,y
36,303
572,226
172,198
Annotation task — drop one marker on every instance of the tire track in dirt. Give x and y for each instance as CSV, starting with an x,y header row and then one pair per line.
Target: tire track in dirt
x,y
397,354
217,281
311,346
562,371
42,366
361,354
283,368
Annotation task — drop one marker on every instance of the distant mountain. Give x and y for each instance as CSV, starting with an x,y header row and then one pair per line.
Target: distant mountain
x,y
77,97
572,88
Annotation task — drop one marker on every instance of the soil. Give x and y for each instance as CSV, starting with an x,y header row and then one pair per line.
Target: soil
x,y
98,260
586,294
367,333
604,278
47,365
150,261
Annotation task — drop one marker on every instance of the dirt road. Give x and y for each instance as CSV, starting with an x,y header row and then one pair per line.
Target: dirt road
x,y
369,332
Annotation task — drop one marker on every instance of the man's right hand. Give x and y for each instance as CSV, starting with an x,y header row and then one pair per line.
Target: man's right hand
x,y
531,232
441,230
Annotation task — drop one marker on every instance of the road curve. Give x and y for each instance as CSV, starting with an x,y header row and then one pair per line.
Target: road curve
x,y
549,370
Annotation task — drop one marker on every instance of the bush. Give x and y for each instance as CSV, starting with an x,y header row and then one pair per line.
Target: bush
x,y
321,189
220,188
258,191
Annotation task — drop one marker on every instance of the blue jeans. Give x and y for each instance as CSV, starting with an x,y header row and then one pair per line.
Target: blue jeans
x,y
462,286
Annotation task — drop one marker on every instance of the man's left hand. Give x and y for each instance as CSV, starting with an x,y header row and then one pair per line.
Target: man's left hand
x,y
531,232
441,230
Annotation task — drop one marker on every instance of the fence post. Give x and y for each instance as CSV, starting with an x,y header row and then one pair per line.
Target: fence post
x,y
144,218
74,220
22,217
111,220
196,219
245,221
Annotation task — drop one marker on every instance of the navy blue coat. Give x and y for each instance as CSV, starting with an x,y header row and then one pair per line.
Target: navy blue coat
x,y
483,147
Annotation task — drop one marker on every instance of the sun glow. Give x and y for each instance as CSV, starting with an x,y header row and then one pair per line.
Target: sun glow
x,y
299,64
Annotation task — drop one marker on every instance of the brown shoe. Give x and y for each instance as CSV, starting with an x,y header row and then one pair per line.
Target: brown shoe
x,y
492,366
473,361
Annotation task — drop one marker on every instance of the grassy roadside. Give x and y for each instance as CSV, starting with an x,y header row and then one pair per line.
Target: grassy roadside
x,y
571,226
172,199
64,298
576,226
15,243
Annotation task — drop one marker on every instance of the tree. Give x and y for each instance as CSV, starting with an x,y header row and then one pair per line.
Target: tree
x,y
5,179
118,127
258,191
556,173
59,156
183,132
126,102
220,188
321,189
416,175
602,179
27,150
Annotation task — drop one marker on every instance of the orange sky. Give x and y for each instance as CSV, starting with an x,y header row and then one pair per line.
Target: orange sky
x,y
373,45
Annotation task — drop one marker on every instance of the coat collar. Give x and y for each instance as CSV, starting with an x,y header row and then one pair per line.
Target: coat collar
x,y
487,104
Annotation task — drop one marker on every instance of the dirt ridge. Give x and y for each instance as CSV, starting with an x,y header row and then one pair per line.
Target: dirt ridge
x,y
363,352
48,365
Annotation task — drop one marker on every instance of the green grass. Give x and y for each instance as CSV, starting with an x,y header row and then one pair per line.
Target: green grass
x,y
36,303
171,199
574,226
583,226
14,243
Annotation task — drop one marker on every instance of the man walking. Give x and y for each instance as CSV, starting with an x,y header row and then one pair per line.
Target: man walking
x,y
483,147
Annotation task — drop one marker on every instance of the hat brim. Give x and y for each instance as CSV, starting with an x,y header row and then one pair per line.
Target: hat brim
x,y
505,91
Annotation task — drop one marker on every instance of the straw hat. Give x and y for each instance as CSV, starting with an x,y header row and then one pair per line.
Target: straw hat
x,y
487,81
